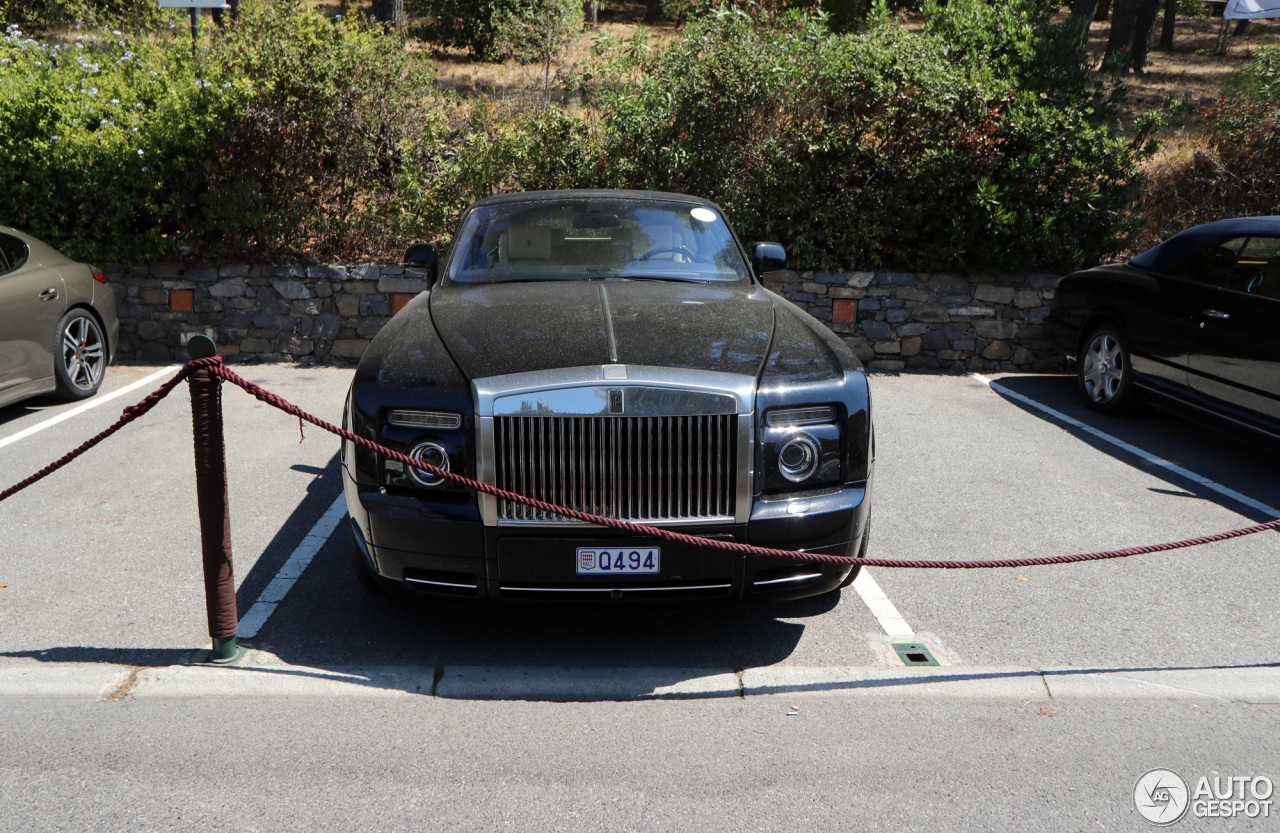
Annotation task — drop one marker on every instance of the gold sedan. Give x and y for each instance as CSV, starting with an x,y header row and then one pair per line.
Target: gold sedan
x,y
58,325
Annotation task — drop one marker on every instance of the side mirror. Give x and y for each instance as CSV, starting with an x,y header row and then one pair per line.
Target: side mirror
x,y
768,257
422,258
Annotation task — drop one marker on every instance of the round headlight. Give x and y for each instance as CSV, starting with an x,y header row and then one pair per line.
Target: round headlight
x,y
432,454
798,459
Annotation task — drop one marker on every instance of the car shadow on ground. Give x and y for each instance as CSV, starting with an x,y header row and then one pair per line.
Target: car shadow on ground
x,y
1203,451
328,622
27,407
328,619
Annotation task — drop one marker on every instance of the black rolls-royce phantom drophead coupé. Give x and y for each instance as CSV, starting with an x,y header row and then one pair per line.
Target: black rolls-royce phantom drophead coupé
x,y
615,352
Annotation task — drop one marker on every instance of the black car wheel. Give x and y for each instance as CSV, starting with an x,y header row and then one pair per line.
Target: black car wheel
x,y
80,353
1104,373
862,553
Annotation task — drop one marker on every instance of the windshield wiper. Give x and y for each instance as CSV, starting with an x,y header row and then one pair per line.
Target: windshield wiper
x,y
679,278
526,279
605,273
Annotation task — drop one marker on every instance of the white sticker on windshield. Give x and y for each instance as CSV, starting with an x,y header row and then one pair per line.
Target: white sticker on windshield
x,y
706,215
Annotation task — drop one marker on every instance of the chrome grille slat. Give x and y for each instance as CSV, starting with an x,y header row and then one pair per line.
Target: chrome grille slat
x,y
559,479
520,467
542,456
680,484
719,457
648,437
701,506
641,468
616,511
664,495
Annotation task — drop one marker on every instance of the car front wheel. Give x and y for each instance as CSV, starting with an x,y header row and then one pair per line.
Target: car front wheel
x,y
80,355
1104,372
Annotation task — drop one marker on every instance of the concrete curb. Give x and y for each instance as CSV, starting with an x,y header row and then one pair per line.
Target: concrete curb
x,y
1259,685
899,683
262,675
587,684
78,680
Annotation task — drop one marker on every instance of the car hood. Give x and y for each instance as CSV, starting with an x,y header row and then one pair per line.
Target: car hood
x,y
495,329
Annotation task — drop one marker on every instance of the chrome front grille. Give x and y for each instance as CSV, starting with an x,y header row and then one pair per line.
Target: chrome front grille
x,y
637,468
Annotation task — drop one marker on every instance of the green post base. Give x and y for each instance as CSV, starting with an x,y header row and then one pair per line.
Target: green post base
x,y
226,651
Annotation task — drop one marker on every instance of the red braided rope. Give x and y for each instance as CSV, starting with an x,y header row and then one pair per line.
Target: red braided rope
x,y
732,546
130,414
217,368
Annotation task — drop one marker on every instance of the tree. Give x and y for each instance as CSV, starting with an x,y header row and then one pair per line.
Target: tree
x,y
1083,8
221,19
1170,20
389,12
1131,25
1128,43
1095,9
539,31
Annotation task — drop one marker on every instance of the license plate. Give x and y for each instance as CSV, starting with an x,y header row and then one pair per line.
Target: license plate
x,y
626,560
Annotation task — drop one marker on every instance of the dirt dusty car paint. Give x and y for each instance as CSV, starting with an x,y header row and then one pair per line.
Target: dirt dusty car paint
x,y
37,295
449,344
1195,325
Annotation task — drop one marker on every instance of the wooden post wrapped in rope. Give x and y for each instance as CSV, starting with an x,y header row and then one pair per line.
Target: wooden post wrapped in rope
x,y
211,499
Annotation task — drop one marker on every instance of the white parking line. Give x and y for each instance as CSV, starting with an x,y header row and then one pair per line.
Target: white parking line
x,y
291,570
880,606
100,399
1132,449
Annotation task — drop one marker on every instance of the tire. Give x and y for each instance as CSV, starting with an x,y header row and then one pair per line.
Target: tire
x,y
862,553
79,355
360,567
1104,371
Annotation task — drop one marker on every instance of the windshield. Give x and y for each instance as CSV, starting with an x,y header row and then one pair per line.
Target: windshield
x,y
579,239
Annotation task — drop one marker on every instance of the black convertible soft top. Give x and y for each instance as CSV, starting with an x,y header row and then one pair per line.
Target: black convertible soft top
x,y
1167,255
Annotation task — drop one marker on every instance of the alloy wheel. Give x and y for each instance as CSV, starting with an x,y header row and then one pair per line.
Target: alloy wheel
x,y
1103,368
83,353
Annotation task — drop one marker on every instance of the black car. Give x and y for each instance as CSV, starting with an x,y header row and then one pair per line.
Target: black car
x,y
614,352
1192,324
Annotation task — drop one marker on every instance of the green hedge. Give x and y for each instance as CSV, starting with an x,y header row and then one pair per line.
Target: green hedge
x,y
104,141
881,148
299,136
291,135
38,16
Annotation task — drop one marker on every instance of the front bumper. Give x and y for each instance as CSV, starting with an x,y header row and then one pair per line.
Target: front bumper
x,y
443,551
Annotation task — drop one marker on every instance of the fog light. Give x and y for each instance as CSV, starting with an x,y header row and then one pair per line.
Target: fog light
x,y
798,459
433,455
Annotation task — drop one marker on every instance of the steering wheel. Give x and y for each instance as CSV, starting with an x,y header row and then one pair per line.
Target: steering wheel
x,y
684,251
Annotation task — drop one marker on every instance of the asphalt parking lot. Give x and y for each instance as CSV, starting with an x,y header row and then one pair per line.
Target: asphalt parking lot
x,y
101,562
1060,686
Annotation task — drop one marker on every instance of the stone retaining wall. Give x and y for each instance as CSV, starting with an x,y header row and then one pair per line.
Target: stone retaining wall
x,y
271,313
899,320
892,320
